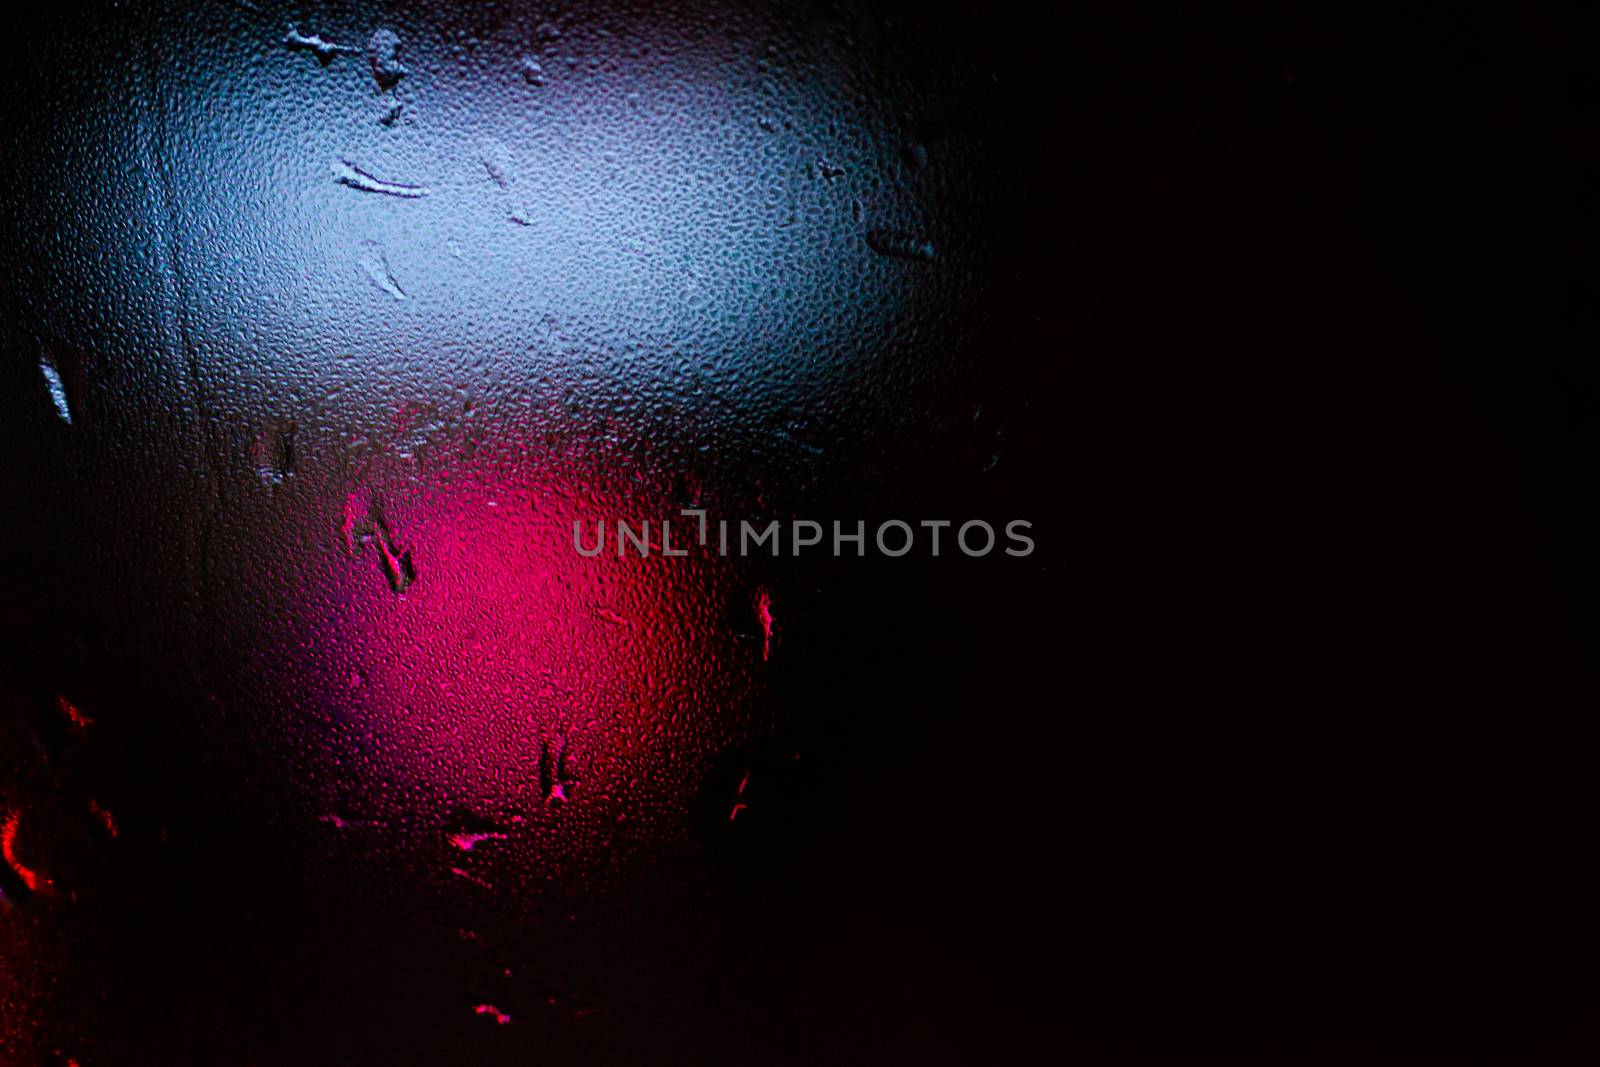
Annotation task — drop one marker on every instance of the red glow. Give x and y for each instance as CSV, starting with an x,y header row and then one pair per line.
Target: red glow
x,y
8,838
499,1016
104,816
75,716
764,616
740,805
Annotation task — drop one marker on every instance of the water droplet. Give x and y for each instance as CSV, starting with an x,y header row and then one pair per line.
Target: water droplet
x,y
22,880
418,427
357,524
397,566
368,526
383,52
107,820
532,72
915,155
272,452
474,879
900,245
764,617
346,173
57,386
739,804
496,160
75,716
556,773
466,842
828,171
376,267
324,50
466,828
785,435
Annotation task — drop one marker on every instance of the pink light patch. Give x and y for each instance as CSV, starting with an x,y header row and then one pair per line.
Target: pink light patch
x,y
554,690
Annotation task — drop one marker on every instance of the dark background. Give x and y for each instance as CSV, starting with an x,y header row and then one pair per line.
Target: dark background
x,y
1279,746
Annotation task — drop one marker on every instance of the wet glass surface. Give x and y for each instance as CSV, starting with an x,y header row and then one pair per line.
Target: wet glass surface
x,y
322,742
